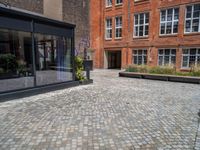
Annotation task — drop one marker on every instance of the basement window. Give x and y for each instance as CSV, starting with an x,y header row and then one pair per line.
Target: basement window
x,y
166,57
140,57
190,57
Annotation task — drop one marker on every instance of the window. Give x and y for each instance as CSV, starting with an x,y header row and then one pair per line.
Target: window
x,y
166,57
192,21
169,21
190,57
108,3
141,25
109,28
119,2
140,57
118,27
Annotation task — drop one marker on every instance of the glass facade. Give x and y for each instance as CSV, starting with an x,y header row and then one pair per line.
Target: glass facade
x,y
16,66
53,59
34,52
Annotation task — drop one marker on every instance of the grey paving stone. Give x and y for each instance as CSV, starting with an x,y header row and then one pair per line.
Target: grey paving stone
x,y
113,113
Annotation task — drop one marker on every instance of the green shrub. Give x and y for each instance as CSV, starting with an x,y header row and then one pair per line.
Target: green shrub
x,y
132,68
1,71
22,67
162,70
79,68
8,62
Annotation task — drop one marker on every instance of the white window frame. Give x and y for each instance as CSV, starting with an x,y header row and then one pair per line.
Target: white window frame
x,y
163,55
118,26
118,3
143,55
108,28
188,57
172,21
108,3
138,25
191,19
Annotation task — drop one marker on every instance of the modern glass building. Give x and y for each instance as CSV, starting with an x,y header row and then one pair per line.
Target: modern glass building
x,y
34,51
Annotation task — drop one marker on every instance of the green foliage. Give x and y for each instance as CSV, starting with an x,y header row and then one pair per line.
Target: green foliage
x,y
168,70
162,70
1,71
22,67
8,62
79,68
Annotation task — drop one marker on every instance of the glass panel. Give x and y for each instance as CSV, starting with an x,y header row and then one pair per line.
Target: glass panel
x,y
135,60
139,60
136,19
173,52
198,61
173,59
189,12
162,28
195,25
147,18
136,31
193,51
169,14
166,61
185,61
53,59
192,60
16,68
175,29
141,31
160,61
176,14
185,51
147,30
167,51
188,26
141,19
198,51
169,28
139,52
145,60
163,14
161,52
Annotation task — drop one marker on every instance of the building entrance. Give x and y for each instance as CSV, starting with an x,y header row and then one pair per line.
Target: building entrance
x,y
114,60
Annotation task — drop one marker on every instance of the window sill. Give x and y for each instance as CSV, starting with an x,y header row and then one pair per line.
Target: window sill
x,y
193,33
108,39
141,2
108,8
118,5
118,38
141,38
168,35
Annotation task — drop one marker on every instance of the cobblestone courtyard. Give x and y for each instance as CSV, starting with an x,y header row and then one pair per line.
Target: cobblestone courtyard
x,y
113,113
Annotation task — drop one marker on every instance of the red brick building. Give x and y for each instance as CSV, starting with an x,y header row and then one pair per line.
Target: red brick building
x,y
152,32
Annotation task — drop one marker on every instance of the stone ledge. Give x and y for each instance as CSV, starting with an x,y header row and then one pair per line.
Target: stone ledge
x,y
172,78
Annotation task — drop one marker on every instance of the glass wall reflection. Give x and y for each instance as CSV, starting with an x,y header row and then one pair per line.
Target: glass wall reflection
x,y
53,59
16,68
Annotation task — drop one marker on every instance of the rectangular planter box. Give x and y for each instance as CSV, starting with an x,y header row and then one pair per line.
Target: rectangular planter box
x,y
173,78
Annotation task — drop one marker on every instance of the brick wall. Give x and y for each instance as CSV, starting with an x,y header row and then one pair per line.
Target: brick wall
x,y
77,12
152,43
31,5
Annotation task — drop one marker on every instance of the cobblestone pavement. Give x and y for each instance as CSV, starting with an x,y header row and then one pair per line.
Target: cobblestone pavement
x,y
113,113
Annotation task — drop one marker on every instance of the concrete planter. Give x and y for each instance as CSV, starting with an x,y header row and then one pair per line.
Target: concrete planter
x,y
173,78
